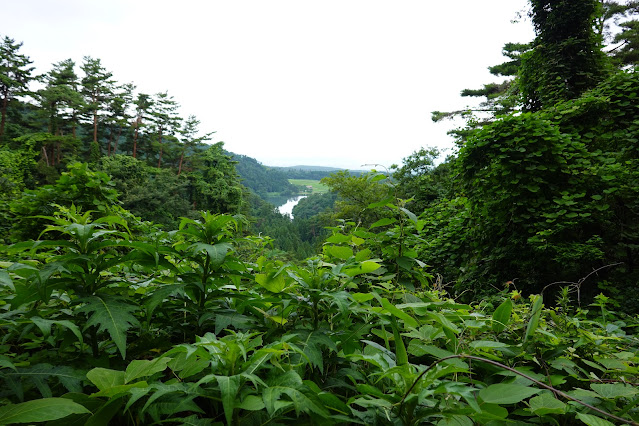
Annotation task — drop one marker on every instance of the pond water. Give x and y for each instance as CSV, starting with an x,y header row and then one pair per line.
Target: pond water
x,y
287,207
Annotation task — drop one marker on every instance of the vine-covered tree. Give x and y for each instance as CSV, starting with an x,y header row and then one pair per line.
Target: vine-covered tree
x,y
566,58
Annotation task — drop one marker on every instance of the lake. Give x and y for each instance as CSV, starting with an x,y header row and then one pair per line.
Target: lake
x,y
287,207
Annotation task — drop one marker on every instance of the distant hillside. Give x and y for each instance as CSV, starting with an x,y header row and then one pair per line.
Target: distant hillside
x,y
313,172
261,179
312,168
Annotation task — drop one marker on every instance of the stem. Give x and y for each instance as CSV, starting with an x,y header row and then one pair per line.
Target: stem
x,y
94,343
205,276
512,370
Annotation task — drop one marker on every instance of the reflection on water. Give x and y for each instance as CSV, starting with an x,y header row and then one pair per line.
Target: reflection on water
x,y
278,200
287,207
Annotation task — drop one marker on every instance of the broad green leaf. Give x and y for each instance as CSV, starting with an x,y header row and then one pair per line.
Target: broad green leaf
x,y
340,252
338,239
614,390
445,322
40,410
41,376
546,403
534,319
217,252
145,368
193,420
103,416
502,393
274,284
45,326
399,313
229,385
591,420
111,315
383,222
400,349
6,281
362,297
456,420
501,316
251,403
302,404
103,378
410,215
365,267
487,344
5,362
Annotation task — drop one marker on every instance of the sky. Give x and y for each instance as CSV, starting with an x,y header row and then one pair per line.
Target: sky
x,y
288,82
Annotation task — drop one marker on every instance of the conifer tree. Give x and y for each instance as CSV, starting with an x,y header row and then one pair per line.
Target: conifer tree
x,y
164,118
15,75
97,87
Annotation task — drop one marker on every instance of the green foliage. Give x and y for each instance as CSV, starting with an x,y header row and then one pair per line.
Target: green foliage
x,y
356,194
542,197
15,75
261,179
197,325
566,59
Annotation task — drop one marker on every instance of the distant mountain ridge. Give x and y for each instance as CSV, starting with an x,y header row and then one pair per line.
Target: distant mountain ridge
x,y
311,168
318,169
265,180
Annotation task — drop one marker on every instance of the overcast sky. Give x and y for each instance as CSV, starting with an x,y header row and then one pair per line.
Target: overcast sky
x,y
334,83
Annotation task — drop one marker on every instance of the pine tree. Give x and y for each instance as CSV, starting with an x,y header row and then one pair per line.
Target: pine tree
x,y
97,87
164,118
15,75
142,105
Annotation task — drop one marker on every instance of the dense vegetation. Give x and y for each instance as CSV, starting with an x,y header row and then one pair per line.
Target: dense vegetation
x,y
142,283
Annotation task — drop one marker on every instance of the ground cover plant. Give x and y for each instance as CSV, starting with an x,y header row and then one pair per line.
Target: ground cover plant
x,y
108,320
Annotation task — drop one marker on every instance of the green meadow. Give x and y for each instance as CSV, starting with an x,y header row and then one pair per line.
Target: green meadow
x,y
318,188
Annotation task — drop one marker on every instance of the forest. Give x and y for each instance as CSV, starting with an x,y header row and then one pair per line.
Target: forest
x,y
145,280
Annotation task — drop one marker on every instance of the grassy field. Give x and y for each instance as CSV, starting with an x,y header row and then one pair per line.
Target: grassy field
x,y
318,188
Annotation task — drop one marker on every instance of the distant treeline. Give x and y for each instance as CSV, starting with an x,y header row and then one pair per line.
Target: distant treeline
x,y
315,174
261,179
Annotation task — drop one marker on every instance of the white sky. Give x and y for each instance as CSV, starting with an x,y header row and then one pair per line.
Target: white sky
x,y
333,83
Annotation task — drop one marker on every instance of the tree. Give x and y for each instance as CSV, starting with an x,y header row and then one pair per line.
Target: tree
x,y
356,194
566,58
188,132
625,17
97,87
142,105
15,75
118,114
214,184
420,180
61,101
164,119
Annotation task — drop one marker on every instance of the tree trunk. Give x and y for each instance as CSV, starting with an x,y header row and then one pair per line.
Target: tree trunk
x,y
135,137
95,126
117,139
181,159
45,155
160,157
73,123
110,140
5,103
